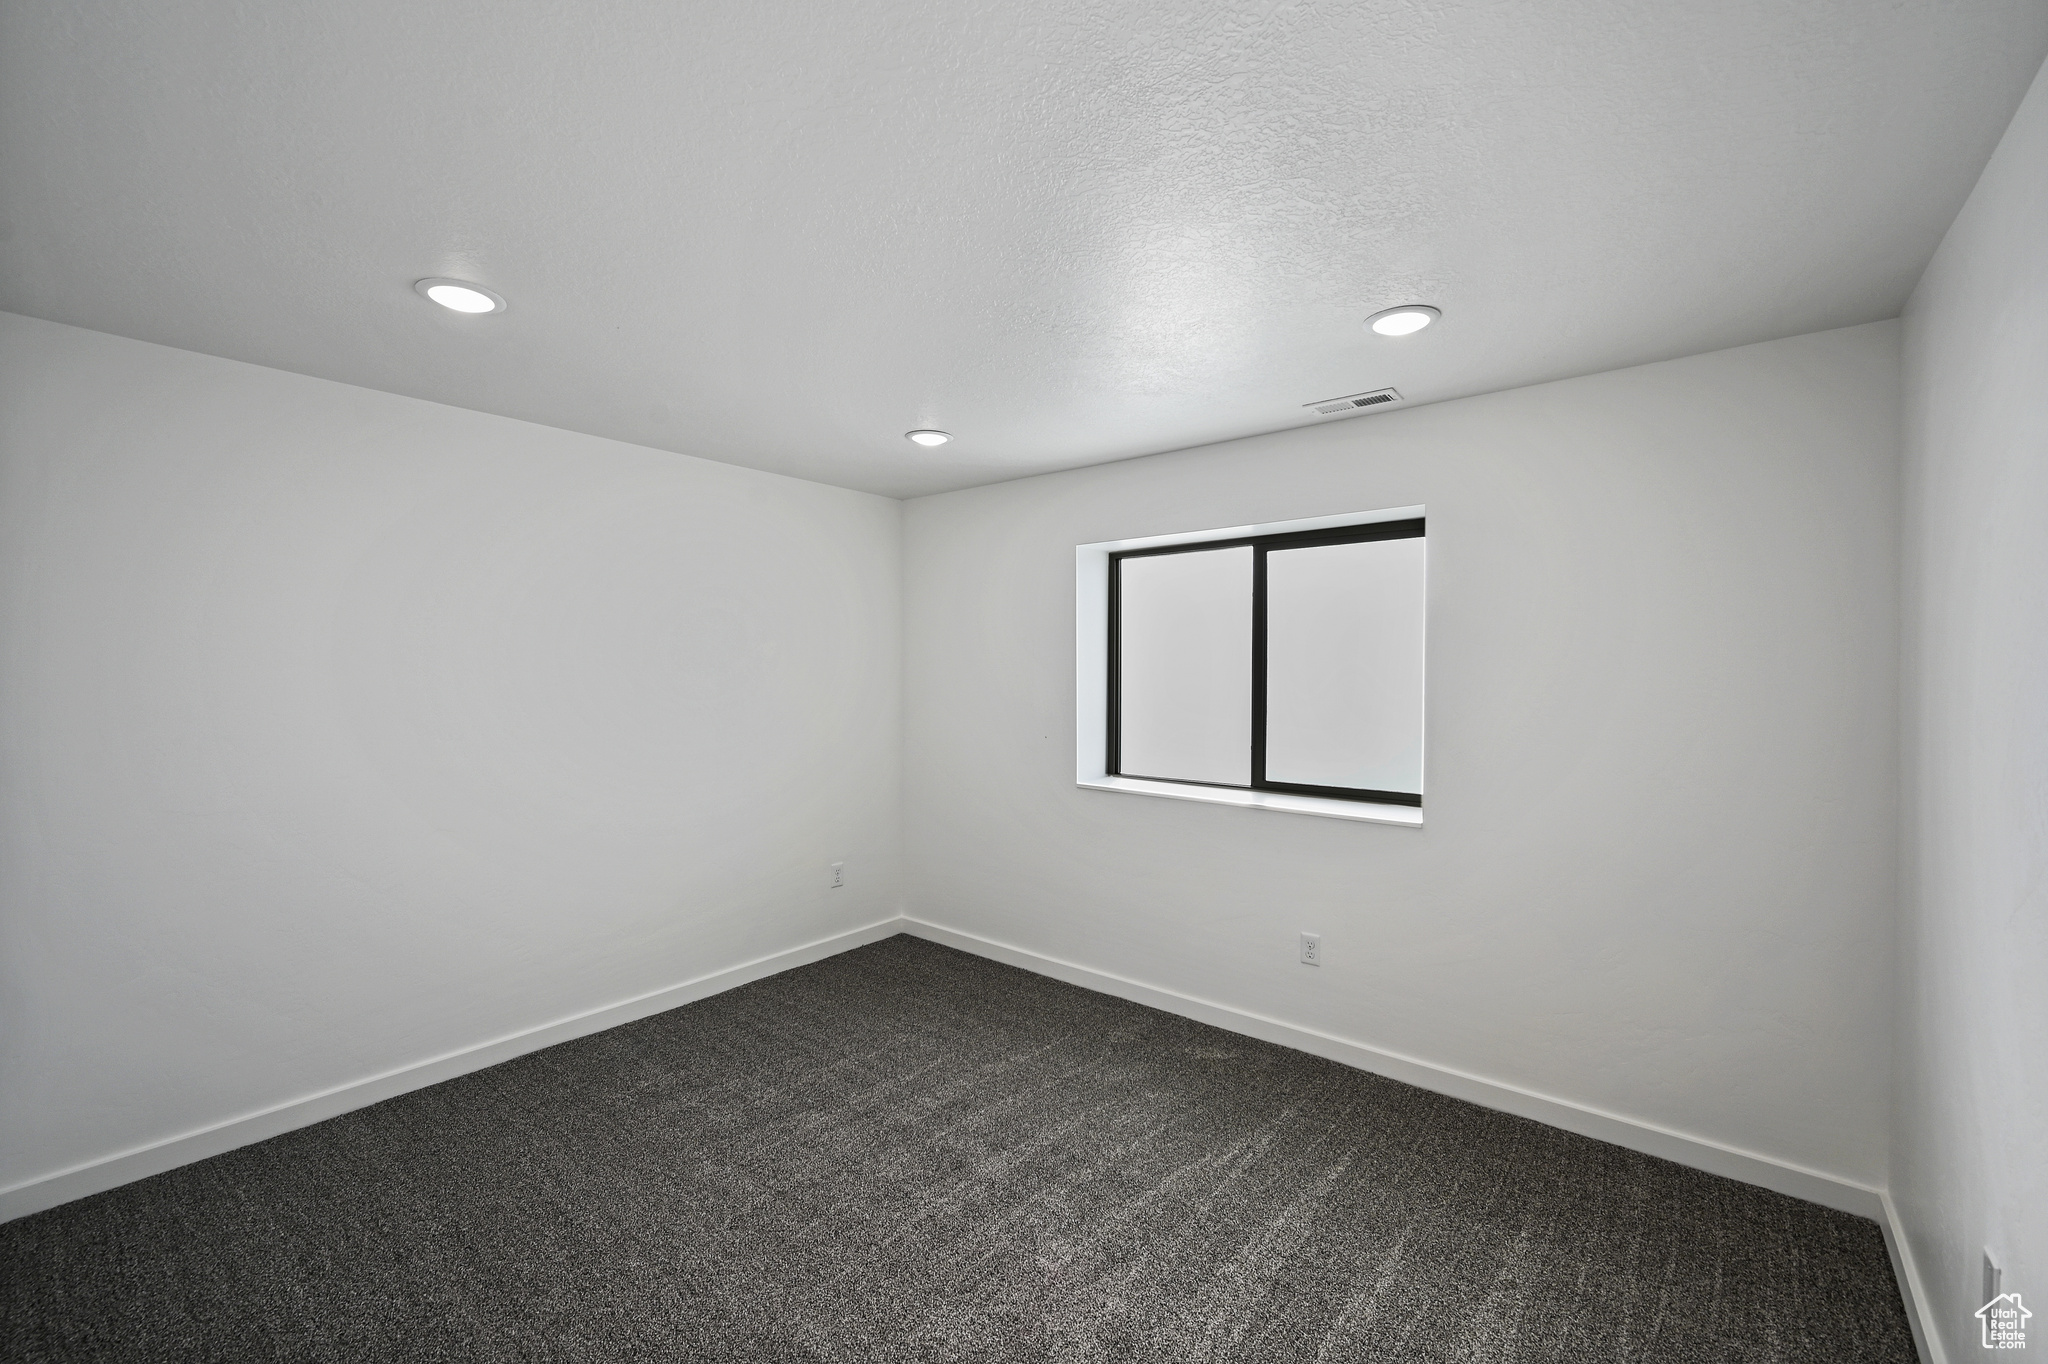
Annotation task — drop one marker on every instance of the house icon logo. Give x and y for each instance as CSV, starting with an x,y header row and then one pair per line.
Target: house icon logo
x,y
2005,1322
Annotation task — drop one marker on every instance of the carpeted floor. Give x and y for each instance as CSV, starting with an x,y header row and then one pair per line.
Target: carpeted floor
x,y
906,1153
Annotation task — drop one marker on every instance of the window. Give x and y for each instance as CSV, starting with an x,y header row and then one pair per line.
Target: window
x,y
1289,662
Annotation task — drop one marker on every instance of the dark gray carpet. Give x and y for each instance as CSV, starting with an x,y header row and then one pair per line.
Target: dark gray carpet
x,y
905,1153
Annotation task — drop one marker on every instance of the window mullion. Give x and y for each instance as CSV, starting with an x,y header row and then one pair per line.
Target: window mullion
x,y
1258,666
1113,761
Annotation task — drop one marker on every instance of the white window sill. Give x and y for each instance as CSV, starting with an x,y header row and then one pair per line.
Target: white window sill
x,y
1409,815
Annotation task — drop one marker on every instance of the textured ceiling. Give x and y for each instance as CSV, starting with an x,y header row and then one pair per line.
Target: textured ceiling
x,y
782,235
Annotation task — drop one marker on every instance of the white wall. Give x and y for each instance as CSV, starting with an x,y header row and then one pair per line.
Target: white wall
x,y
1970,1117
344,729
1657,874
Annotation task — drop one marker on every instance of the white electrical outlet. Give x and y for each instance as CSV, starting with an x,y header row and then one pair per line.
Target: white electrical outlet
x,y
838,875
1311,949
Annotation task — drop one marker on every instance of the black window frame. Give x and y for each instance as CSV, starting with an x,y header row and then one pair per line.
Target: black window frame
x,y
1405,529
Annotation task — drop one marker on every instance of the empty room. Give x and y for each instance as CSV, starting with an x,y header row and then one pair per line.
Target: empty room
x,y
1260,683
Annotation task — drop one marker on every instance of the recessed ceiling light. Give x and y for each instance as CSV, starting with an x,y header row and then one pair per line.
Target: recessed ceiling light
x,y
927,437
1409,317
460,296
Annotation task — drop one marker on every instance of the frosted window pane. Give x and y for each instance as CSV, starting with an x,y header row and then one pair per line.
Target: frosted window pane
x,y
1186,664
1344,665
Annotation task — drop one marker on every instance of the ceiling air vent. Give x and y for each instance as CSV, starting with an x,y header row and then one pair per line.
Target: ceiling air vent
x,y
1357,402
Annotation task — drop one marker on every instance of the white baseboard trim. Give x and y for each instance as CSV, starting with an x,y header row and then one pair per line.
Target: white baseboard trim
x,y
1697,1152
107,1172
1919,1309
